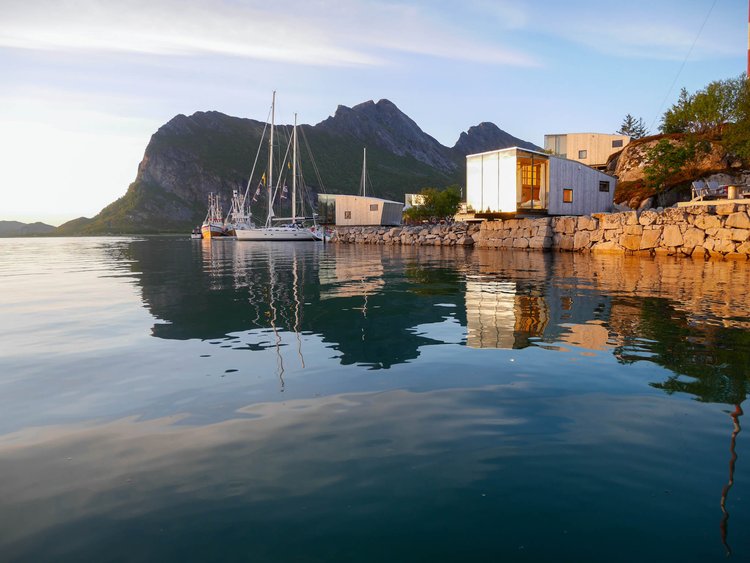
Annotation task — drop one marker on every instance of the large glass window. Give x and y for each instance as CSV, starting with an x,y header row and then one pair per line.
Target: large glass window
x,y
532,179
326,209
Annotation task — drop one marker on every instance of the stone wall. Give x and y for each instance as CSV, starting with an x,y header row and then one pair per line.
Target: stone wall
x,y
712,231
457,234
719,231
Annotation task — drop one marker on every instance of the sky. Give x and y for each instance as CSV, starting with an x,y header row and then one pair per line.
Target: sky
x,y
85,83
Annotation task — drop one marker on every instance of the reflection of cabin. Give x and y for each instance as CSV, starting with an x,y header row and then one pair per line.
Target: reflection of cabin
x,y
592,149
517,180
499,316
355,210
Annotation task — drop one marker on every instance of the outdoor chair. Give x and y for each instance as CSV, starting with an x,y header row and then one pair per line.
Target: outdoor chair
x,y
699,189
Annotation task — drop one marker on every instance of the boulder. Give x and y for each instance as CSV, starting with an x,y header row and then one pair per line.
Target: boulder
x,y
581,240
650,239
706,222
631,242
693,237
648,217
738,220
672,236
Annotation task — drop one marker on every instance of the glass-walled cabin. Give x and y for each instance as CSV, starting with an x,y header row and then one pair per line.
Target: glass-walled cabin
x,y
507,181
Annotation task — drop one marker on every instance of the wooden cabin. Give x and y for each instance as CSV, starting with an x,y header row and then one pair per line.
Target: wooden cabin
x,y
592,149
516,180
355,210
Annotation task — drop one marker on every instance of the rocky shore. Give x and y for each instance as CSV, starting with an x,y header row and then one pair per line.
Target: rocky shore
x,y
456,234
710,231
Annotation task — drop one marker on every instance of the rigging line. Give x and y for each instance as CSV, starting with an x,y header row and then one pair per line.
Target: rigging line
x,y
682,66
312,161
282,172
257,154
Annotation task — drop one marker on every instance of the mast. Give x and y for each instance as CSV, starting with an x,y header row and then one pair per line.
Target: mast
x,y
294,171
363,180
269,184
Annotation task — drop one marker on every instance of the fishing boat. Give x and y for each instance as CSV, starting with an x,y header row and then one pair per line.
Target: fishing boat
x,y
239,216
196,233
213,224
283,228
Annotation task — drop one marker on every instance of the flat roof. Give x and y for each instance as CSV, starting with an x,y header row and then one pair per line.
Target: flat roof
x,y
510,149
544,154
364,197
586,133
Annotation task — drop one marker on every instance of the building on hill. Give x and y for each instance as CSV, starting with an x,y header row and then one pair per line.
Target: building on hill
x,y
521,181
592,149
413,200
355,210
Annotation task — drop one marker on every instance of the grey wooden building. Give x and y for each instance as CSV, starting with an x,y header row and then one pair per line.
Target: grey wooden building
x,y
516,180
355,210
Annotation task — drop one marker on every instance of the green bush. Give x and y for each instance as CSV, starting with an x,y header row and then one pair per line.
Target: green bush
x,y
438,204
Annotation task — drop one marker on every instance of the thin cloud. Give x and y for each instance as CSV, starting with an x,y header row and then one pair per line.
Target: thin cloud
x,y
645,31
354,34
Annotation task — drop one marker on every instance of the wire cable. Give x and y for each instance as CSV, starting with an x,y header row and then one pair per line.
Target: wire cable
x,y
682,66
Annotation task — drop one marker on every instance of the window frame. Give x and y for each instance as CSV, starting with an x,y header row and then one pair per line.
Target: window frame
x,y
604,183
567,195
347,214
583,154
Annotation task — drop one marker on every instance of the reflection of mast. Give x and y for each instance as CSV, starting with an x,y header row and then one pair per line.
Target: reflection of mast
x,y
363,308
272,305
296,311
725,491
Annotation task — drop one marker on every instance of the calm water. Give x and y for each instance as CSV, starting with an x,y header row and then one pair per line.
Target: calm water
x,y
165,399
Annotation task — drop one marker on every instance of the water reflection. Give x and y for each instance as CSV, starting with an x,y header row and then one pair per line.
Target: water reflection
x,y
692,318
363,304
533,401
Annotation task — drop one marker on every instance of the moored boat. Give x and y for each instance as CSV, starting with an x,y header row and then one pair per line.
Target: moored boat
x,y
293,230
213,224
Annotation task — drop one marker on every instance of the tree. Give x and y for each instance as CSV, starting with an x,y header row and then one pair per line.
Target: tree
x,y
737,134
677,118
437,204
709,109
632,127
666,159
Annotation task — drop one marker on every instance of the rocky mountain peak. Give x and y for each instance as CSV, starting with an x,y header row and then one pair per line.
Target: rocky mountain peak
x,y
384,125
486,137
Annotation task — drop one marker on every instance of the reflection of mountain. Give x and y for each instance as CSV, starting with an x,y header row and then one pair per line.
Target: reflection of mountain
x,y
364,304
715,359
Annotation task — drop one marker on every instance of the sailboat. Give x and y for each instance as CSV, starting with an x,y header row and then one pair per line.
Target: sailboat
x,y
293,230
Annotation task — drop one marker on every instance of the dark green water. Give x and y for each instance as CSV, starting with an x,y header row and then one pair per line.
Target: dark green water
x,y
170,400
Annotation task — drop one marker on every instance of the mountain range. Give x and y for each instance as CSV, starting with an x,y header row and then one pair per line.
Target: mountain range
x,y
18,229
190,156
